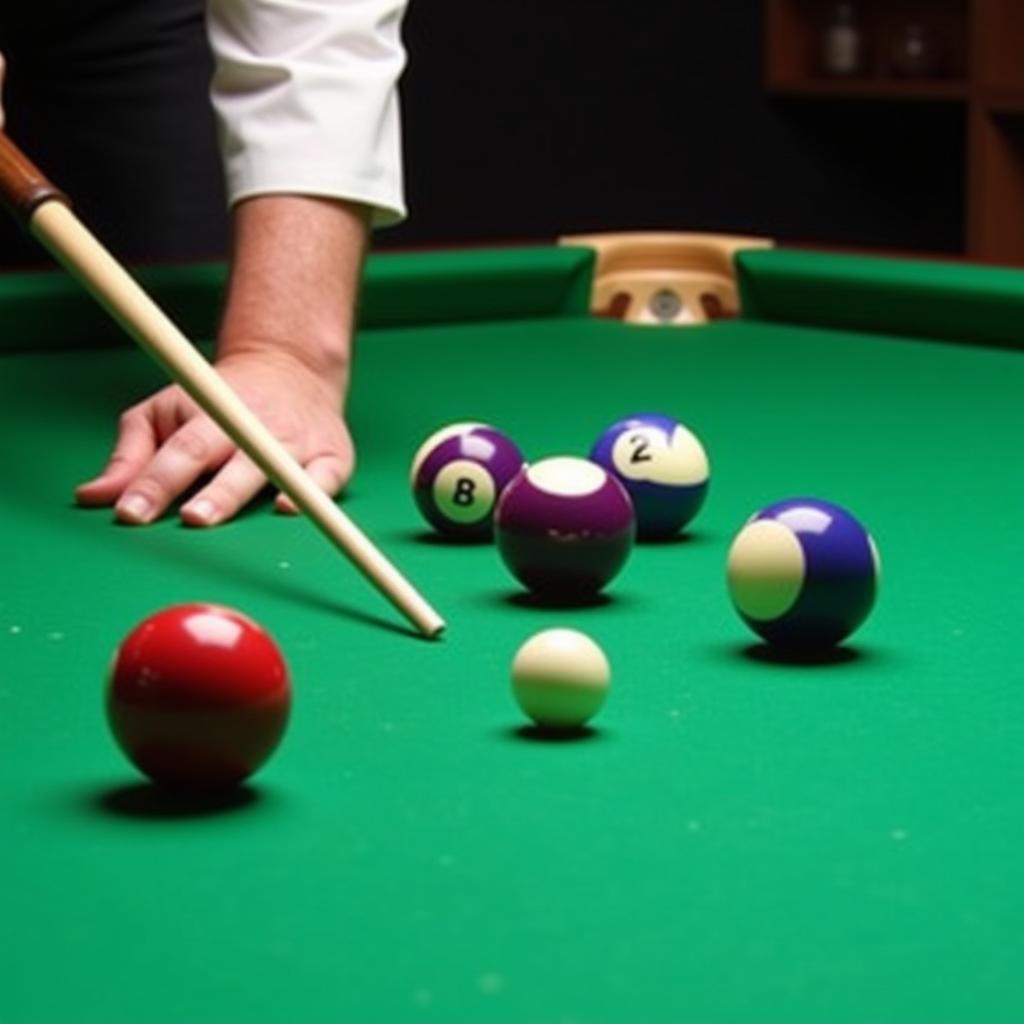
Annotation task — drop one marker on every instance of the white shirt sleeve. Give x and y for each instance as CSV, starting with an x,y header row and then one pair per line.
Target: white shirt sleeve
x,y
306,96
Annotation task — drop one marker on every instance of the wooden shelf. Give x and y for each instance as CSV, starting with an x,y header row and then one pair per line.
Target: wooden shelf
x,y
1004,101
982,44
934,90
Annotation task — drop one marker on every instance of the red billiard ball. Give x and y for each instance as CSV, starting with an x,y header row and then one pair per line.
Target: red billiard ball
x,y
198,695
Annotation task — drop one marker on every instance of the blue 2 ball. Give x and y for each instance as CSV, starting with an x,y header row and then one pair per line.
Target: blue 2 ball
x,y
663,467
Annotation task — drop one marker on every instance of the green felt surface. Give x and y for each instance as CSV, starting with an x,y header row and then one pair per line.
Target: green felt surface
x,y
737,841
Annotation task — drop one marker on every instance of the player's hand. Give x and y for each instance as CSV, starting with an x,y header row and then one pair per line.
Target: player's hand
x,y
166,443
3,68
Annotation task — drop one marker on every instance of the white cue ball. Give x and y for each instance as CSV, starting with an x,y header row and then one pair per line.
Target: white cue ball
x,y
560,678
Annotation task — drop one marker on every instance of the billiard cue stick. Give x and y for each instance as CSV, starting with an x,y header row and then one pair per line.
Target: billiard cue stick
x,y
49,218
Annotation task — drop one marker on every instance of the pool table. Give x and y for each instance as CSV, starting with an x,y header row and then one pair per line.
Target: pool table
x,y
739,838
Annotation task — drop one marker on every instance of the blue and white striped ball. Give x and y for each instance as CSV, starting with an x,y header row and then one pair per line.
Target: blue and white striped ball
x,y
803,574
663,467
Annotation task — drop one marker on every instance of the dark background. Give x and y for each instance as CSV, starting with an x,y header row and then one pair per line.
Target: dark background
x,y
523,120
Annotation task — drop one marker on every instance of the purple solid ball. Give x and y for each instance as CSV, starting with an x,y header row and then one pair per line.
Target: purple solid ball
x,y
564,527
458,475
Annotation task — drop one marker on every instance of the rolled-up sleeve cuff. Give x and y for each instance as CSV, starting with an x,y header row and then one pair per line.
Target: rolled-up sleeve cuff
x,y
259,177
307,99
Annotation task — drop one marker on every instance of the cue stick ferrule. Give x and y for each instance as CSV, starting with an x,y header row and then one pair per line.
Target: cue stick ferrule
x,y
23,187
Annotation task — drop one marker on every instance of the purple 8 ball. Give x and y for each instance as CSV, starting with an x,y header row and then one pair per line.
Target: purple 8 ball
x,y
457,476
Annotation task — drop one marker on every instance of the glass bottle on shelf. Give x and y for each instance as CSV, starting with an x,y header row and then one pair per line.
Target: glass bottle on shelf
x,y
842,42
916,52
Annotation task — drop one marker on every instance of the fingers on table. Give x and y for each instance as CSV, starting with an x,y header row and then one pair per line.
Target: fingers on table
x,y
227,494
144,475
136,444
195,448
329,472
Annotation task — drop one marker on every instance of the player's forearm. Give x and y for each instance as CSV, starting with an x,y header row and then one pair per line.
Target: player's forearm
x,y
296,265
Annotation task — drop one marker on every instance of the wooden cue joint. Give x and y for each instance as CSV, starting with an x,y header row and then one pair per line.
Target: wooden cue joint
x,y
22,185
